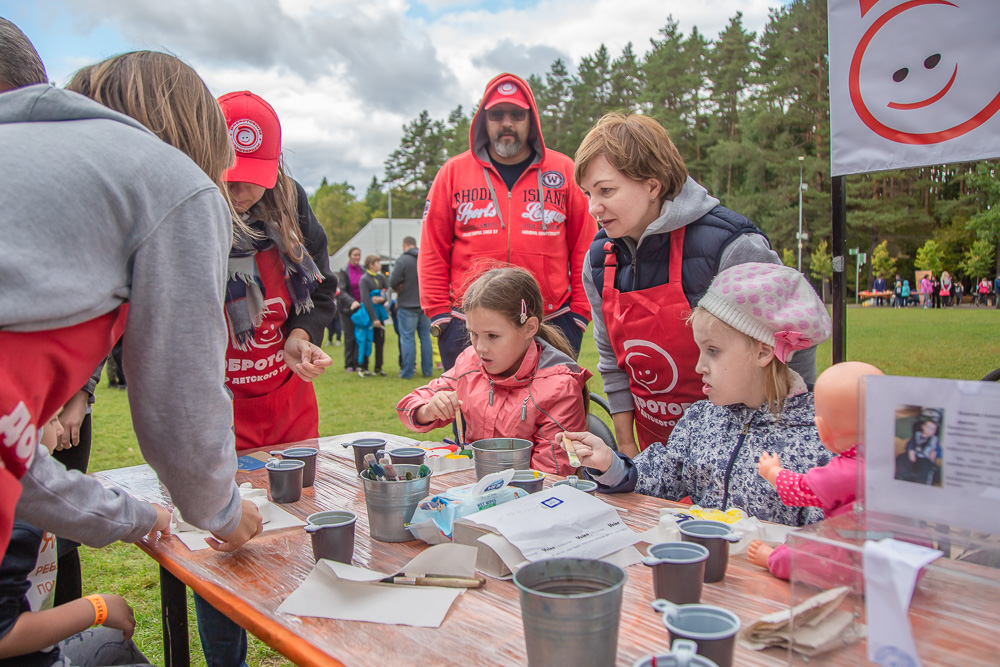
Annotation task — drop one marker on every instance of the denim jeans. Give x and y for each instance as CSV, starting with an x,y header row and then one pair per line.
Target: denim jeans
x,y
223,641
412,323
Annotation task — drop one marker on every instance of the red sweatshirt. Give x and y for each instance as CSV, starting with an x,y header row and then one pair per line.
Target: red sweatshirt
x,y
463,232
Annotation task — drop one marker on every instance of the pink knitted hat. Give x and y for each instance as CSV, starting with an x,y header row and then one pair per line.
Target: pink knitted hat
x,y
771,303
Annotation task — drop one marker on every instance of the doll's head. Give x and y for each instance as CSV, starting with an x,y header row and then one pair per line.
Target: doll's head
x,y
836,392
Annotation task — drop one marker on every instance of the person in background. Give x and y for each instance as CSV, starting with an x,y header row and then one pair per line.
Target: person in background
x,y
349,300
374,288
946,288
413,323
509,200
879,287
996,291
905,293
663,238
983,291
959,292
925,292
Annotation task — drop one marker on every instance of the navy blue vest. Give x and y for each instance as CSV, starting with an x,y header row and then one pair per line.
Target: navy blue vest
x,y
705,240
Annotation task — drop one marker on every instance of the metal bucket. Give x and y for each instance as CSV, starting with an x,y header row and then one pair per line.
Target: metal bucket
x,y
496,454
391,504
571,608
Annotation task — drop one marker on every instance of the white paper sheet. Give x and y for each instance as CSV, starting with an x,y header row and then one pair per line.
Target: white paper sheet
x,y
559,522
195,539
891,569
348,593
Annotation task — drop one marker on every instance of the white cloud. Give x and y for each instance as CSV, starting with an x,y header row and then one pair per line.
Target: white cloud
x,y
345,76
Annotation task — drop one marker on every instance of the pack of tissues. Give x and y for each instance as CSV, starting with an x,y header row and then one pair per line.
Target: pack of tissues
x,y
435,516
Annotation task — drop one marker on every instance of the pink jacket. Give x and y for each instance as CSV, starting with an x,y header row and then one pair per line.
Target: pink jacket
x,y
498,407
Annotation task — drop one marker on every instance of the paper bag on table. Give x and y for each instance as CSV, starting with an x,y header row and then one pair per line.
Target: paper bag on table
x,y
812,627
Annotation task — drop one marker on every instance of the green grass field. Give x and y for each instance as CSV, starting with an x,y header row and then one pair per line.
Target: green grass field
x,y
953,343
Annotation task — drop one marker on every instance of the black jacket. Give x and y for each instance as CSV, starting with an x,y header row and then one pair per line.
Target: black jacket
x,y
404,280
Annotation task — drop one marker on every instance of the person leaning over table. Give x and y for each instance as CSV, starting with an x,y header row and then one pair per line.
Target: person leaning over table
x,y
663,238
153,245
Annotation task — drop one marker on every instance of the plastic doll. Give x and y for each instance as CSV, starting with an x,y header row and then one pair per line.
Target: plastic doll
x,y
832,487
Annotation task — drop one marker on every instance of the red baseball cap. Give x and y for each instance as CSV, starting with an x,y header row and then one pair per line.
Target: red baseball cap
x,y
507,92
256,135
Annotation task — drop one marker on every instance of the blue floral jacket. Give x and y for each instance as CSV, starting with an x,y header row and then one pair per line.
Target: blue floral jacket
x,y
712,456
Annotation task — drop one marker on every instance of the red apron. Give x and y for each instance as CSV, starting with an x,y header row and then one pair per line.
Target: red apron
x,y
39,372
652,342
271,405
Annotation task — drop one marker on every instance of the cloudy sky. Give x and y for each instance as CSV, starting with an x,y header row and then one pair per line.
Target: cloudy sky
x,y
344,75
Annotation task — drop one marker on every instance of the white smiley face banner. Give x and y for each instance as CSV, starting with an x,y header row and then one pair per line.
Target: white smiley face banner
x,y
913,83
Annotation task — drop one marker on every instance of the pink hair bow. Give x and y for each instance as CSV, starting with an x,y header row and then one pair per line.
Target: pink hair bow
x,y
786,342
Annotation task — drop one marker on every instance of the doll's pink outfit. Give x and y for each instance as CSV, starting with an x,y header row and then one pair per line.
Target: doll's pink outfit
x,y
832,487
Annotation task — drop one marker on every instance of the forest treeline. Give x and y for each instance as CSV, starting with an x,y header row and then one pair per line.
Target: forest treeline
x,y
742,109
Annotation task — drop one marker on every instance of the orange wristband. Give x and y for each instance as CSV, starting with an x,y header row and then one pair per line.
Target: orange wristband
x,y
100,608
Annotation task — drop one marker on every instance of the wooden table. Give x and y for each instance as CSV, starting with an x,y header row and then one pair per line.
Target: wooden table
x,y
483,626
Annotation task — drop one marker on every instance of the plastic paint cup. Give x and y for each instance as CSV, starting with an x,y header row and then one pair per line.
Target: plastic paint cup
x,y
365,446
305,454
714,536
713,628
332,535
678,570
285,480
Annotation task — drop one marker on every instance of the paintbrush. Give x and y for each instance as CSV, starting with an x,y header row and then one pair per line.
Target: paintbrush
x,y
573,460
460,428
433,580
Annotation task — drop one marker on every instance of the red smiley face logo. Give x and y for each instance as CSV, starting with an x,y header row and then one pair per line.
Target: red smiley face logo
x,y
927,78
650,366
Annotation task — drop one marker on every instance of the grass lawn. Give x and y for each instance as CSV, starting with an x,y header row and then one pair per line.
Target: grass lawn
x,y
952,343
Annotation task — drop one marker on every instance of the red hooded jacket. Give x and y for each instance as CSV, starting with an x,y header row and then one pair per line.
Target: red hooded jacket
x,y
461,227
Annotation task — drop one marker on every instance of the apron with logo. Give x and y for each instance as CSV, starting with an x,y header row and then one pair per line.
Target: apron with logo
x,y
271,405
652,342
39,372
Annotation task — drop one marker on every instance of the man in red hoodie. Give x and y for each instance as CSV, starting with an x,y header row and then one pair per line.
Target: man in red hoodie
x,y
507,200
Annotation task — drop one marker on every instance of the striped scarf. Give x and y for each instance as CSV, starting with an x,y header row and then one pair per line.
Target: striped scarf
x,y
245,292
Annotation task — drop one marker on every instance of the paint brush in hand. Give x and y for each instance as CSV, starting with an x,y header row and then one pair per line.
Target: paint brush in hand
x,y
573,460
460,428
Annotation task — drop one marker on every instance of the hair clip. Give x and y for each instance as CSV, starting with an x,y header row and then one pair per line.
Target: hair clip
x,y
524,311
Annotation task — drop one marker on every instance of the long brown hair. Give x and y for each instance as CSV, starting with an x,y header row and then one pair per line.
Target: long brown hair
x,y
171,100
279,205
502,290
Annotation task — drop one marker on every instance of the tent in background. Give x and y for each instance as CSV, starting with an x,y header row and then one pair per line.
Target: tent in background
x,y
379,238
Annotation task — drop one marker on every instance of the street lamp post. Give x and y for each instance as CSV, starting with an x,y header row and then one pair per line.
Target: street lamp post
x,y
799,235
390,221
859,259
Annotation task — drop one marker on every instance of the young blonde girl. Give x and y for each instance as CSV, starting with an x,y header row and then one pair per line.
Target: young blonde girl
x,y
746,327
517,379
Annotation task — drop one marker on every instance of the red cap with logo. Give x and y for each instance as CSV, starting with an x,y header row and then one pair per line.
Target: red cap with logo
x,y
256,136
507,92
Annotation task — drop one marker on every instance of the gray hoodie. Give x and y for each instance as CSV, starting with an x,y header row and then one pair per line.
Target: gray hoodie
x,y
691,204
95,211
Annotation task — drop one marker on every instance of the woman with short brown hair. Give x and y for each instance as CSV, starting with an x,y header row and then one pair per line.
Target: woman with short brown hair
x,y
662,240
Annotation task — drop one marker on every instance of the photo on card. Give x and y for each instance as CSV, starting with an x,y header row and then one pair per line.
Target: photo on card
x,y
919,450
